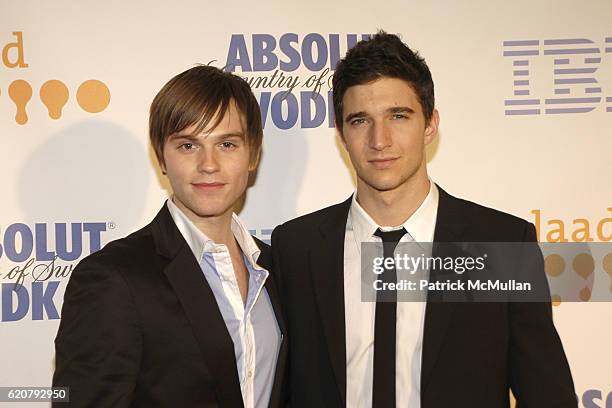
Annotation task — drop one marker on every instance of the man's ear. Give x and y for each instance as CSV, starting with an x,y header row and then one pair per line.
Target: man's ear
x,y
432,128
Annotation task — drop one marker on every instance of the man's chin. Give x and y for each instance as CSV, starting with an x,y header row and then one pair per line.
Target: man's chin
x,y
211,212
207,209
382,185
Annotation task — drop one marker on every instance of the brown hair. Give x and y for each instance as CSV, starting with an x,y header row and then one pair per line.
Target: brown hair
x,y
383,55
195,97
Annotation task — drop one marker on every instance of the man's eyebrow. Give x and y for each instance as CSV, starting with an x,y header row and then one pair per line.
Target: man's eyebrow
x,y
354,115
229,135
181,135
400,109
394,109
193,137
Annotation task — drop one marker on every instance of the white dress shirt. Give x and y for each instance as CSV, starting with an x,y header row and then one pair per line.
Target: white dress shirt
x,y
359,315
252,326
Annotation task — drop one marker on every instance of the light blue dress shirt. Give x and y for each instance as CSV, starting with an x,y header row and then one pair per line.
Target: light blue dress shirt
x,y
251,325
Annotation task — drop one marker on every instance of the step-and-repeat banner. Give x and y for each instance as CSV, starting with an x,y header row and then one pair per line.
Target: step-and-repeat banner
x,y
524,91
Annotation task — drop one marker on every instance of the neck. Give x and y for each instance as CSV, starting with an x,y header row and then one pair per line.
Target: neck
x,y
391,208
217,228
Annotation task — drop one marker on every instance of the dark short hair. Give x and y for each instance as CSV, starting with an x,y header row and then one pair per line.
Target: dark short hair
x,y
383,55
194,97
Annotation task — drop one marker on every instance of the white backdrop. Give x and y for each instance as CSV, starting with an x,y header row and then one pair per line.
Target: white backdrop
x,y
90,171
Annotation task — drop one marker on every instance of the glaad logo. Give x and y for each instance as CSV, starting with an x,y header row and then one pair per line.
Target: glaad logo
x,y
43,254
574,261
283,61
579,230
92,96
576,89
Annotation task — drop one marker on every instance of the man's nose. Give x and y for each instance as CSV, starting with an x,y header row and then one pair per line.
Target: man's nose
x,y
380,136
208,162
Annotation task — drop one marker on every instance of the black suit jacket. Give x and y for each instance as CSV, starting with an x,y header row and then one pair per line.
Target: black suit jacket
x,y
141,327
472,352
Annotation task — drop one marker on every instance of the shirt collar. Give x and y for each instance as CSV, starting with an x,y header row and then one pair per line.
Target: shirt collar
x,y
420,225
200,243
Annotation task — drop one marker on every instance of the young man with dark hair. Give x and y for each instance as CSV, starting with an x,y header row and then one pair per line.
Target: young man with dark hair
x,y
182,313
346,352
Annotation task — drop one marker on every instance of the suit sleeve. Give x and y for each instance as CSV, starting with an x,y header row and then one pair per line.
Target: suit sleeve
x,y
540,375
98,346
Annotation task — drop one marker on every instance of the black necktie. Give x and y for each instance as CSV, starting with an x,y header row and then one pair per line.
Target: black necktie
x,y
384,328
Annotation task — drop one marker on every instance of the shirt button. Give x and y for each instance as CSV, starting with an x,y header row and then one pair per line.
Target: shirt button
x,y
250,373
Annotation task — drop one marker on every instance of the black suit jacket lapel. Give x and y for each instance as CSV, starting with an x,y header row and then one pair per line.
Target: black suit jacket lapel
x,y
449,227
200,307
265,261
327,266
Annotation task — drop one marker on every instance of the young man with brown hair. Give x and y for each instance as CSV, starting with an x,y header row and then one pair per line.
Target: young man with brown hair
x,y
182,313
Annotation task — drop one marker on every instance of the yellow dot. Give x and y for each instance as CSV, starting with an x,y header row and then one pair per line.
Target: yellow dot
x,y
554,265
20,92
607,263
93,96
585,294
54,95
556,300
583,265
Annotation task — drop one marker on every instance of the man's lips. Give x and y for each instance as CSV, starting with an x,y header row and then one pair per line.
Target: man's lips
x,y
383,163
214,186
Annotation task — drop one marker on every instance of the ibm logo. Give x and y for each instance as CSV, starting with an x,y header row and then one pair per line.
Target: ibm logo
x,y
576,89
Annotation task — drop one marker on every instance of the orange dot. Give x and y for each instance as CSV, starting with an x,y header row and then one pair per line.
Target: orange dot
x,y
583,265
93,96
54,95
585,294
20,92
607,263
554,265
556,300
